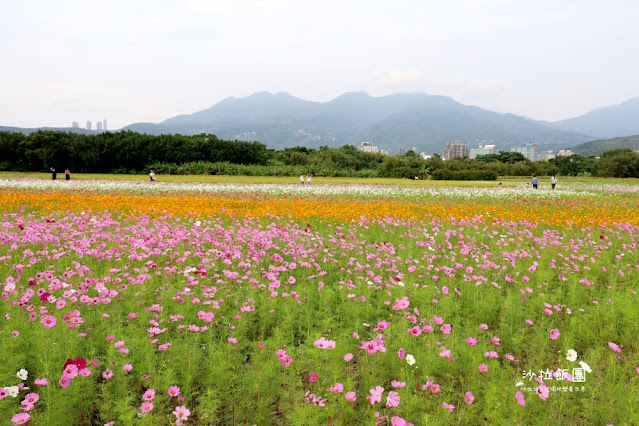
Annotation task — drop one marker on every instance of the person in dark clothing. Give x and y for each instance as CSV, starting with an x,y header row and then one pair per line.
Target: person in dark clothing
x,y
67,174
54,175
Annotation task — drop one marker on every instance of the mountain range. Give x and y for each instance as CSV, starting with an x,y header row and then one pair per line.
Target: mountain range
x,y
407,120
404,120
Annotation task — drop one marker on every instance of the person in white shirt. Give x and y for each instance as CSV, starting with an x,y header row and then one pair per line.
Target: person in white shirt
x,y
553,181
152,176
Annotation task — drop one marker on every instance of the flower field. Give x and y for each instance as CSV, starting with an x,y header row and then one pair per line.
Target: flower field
x,y
134,303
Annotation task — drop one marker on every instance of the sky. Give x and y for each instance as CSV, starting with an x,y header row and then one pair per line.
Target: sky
x,y
148,60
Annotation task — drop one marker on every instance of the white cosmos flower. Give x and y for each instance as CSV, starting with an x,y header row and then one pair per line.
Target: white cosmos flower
x,y
22,374
571,355
410,359
519,384
13,391
585,366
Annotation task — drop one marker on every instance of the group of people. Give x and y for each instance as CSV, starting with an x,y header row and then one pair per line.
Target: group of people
x,y
309,179
535,182
54,174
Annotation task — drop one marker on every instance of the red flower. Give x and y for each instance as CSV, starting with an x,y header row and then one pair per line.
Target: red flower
x,y
81,363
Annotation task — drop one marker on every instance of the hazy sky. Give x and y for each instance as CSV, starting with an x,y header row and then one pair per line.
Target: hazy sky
x,y
148,60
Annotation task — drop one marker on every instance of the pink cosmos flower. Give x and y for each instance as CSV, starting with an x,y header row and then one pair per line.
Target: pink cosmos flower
x,y
542,391
376,395
337,388
348,357
108,373
181,413
313,377
495,341
469,397
41,382
399,421
149,395
401,353
520,399
173,391
15,333
49,321
127,367
30,399
146,407
483,326
350,396
71,371
482,368
614,347
449,407
392,400
232,340
471,341
65,381
397,384
554,334
529,322
20,418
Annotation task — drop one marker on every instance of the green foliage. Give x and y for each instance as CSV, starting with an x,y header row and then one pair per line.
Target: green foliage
x,y
464,175
599,147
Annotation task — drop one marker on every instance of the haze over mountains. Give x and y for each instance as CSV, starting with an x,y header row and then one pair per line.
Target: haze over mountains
x,y
409,120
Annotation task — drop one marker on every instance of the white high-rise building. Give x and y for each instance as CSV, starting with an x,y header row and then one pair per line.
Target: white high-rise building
x,y
104,125
98,126
75,125
89,125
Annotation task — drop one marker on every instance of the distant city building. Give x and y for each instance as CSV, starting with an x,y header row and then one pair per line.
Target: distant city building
x,y
483,150
89,125
401,151
98,126
546,155
75,125
104,127
528,150
426,156
384,152
368,147
455,149
565,153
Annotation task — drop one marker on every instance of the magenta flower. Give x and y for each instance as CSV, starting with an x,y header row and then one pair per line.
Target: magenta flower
x,y
376,395
392,400
181,413
495,341
146,407
127,367
399,421
337,388
173,391
614,347
542,391
313,377
483,368
401,353
49,321
554,334
41,382
149,395
64,381
350,396
449,407
471,341
20,418
520,399
469,397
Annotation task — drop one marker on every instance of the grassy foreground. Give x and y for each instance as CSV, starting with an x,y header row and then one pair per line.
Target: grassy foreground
x,y
466,306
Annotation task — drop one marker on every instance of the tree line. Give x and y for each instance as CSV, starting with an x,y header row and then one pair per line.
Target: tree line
x,y
131,152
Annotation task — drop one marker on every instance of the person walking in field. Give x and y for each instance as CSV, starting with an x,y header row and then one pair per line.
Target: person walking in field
x,y
67,174
152,176
309,179
54,175
302,179
534,181
553,181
